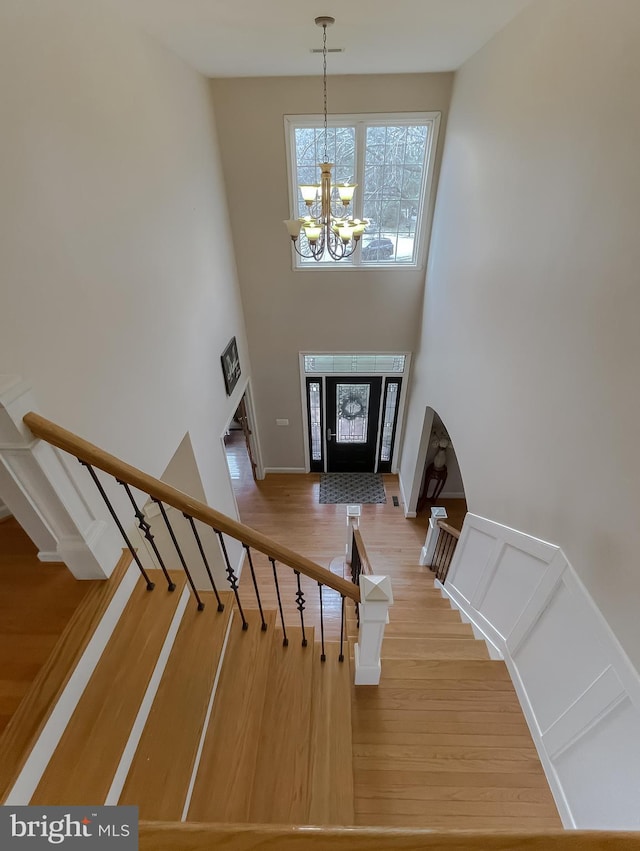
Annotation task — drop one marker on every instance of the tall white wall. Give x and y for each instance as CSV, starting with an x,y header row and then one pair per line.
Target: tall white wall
x,y
530,344
118,282
288,311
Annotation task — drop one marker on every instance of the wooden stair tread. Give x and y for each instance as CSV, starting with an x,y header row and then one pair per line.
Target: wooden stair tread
x,y
159,776
331,761
433,648
28,721
450,669
222,791
407,629
281,782
102,720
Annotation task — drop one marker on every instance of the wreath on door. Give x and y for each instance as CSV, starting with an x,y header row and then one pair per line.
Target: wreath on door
x,y
351,407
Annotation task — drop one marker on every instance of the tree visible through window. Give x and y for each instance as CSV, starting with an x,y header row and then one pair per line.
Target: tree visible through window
x,y
391,160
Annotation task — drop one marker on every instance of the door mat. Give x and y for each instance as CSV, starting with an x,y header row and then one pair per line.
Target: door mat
x,y
351,488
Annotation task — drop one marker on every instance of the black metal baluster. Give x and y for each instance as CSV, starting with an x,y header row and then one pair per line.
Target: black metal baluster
x,y
233,579
323,657
150,585
255,585
285,640
341,656
443,561
300,605
204,559
179,551
440,548
356,567
145,528
449,557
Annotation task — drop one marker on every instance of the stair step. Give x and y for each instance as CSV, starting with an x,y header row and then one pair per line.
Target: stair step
x,y
83,765
159,776
493,673
433,648
331,766
222,791
429,628
281,782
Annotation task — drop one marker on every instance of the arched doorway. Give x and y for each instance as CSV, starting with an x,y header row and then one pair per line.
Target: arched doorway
x,y
441,479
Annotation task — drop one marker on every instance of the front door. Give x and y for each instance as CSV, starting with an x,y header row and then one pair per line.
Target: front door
x,y
353,411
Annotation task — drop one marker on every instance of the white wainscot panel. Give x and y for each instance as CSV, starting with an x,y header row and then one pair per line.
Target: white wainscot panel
x,y
470,560
516,575
561,656
600,773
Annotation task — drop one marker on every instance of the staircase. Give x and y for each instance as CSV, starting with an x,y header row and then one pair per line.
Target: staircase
x,y
442,741
218,715
191,717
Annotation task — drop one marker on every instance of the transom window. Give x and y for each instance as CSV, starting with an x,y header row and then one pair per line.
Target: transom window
x,y
390,157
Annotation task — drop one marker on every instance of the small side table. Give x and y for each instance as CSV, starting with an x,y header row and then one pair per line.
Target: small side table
x,y
437,476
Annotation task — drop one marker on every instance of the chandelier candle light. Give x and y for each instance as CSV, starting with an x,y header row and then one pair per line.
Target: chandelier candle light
x,y
327,232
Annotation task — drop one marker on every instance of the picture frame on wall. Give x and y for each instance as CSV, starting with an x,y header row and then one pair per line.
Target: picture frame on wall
x,y
230,366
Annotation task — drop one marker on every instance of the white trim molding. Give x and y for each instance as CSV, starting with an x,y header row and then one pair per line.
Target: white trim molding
x,y
284,470
579,691
39,491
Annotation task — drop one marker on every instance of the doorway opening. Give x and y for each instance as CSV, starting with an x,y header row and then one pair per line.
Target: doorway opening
x,y
240,448
441,480
353,409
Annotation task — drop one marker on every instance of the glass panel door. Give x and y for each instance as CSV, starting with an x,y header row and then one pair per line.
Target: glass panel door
x,y
353,411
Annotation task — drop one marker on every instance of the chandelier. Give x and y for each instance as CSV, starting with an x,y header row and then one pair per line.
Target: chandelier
x,y
328,231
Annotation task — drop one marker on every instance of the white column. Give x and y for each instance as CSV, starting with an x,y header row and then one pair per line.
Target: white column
x,y
376,596
353,522
426,553
38,490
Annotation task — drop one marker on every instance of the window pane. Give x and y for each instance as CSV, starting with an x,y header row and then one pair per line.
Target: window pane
x,y
309,151
364,364
352,406
390,407
315,418
394,177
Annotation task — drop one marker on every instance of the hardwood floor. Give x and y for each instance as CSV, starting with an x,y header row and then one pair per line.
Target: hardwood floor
x,y
442,742
36,603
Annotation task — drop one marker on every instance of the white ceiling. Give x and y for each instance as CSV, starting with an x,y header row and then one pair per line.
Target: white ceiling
x,y
243,38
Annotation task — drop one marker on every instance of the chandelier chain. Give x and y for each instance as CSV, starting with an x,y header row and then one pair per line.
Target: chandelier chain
x,y
324,81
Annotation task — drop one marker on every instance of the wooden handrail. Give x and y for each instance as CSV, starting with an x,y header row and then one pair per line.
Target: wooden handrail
x,y
365,564
450,529
91,454
165,836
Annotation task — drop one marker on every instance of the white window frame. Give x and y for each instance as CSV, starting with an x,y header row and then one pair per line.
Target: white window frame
x,y
361,121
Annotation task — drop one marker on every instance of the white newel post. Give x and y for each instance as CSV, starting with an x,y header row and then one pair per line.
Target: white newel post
x,y
353,522
426,553
38,490
376,596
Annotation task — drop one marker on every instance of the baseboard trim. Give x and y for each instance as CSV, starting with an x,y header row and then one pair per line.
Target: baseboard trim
x,y
268,470
479,633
